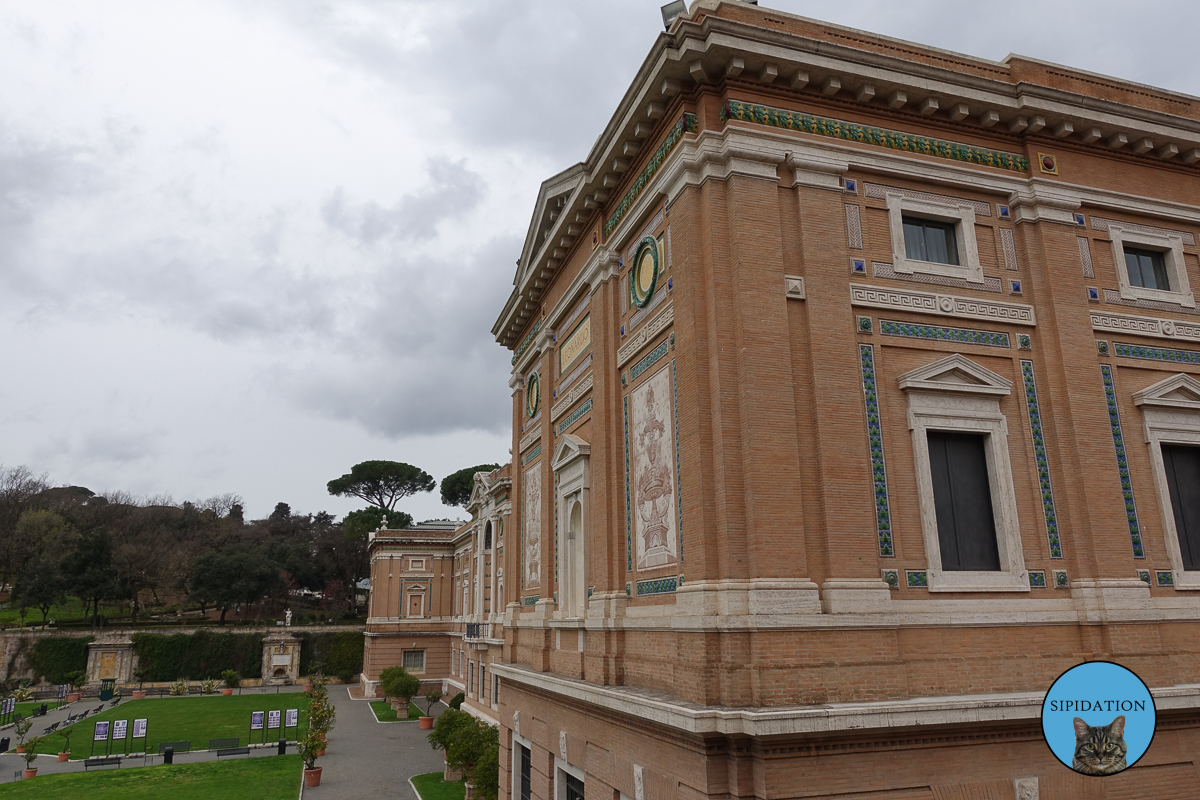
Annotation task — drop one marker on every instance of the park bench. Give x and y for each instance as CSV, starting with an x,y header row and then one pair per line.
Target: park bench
x,y
179,747
233,751
51,729
106,761
221,744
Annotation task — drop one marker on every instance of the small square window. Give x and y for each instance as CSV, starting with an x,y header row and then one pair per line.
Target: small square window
x,y
417,563
930,240
414,660
1147,269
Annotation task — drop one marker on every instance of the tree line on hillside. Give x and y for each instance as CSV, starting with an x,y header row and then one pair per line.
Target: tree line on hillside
x,y
68,541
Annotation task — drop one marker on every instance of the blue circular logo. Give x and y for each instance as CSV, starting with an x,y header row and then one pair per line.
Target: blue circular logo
x,y
1098,718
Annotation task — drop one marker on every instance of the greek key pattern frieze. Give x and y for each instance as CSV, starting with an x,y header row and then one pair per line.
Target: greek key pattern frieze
x,y
880,192
941,304
1146,326
571,398
644,335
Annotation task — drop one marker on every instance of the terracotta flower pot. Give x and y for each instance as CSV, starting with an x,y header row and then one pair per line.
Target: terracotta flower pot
x,y
226,692
426,723
312,777
139,694
20,748
64,756
31,773
74,696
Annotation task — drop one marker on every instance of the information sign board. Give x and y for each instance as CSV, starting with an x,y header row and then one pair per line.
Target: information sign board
x,y
293,717
139,729
273,718
256,720
119,728
101,732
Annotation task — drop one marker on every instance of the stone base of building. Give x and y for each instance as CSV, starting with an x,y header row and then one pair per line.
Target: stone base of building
x,y
986,747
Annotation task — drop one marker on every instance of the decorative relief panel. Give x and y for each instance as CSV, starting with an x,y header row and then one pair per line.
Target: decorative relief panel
x,y
574,345
1101,224
916,330
575,373
652,442
531,487
1009,247
941,305
574,417
644,335
881,192
530,438
883,270
1157,353
793,287
1146,326
854,227
571,398
648,361
1085,257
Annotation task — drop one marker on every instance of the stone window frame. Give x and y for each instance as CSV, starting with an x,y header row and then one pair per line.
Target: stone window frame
x,y
561,770
957,395
518,739
962,216
409,594
1171,415
1171,246
404,658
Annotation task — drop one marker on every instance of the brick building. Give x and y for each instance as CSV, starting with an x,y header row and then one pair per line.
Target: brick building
x,y
856,396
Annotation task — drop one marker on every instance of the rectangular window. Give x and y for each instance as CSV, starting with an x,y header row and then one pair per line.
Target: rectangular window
x,y
482,682
470,677
1147,269
414,659
963,502
524,789
574,787
927,240
1182,463
495,689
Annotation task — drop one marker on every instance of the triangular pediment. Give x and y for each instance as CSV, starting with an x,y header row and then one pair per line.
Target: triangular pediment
x,y
1177,391
479,491
570,448
955,373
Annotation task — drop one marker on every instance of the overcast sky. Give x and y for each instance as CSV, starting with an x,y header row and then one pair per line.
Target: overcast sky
x,y
245,245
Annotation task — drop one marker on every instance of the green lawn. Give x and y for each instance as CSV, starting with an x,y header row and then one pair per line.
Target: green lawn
x,y
384,713
171,719
432,787
270,778
72,609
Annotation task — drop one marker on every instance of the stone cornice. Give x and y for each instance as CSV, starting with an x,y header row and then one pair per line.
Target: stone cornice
x,y
663,709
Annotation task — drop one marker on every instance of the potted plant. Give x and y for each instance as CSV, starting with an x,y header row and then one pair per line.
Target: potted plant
x,y
65,733
232,681
139,693
399,687
426,721
310,749
21,728
76,680
29,755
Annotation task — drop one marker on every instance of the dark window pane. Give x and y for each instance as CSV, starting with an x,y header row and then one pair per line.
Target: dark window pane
x,y
1147,269
927,240
574,788
1182,464
963,501
526,769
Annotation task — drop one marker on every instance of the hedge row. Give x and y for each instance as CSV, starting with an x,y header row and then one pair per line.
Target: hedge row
x,y
197,655
55,658
339,654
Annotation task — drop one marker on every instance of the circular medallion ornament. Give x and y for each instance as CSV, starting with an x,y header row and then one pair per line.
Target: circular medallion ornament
x,y
643,278
533,394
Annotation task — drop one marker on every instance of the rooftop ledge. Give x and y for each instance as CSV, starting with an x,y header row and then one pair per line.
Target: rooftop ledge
x,y
826,718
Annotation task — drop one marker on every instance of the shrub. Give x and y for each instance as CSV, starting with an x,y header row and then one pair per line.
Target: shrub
x,y
336,652
179,687
457,701
396,682
472,746
203,654
208,686
347,676
54,658
76,679
231,678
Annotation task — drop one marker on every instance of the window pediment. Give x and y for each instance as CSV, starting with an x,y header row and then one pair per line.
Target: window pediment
x,y
570,448
1178,391
955,373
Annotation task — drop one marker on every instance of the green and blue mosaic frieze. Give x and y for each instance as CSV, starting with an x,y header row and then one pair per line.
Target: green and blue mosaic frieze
x,y
532,599
1039,454
916,579
531,455
883,517
574,416
868,134
1114,422
914,330
657,586
650,360
686,124
537,326
1157,353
